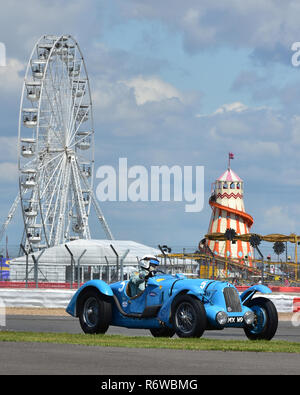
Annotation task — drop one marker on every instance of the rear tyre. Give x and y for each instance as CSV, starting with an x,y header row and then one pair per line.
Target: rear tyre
x,y
94,313
162,332
266,321
188,316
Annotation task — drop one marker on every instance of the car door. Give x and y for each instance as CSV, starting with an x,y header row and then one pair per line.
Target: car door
x,y
152,296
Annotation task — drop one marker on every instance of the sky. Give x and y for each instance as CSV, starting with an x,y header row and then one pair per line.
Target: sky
x,y
173,83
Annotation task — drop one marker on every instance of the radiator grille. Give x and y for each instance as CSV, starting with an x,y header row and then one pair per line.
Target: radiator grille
x,y
232,300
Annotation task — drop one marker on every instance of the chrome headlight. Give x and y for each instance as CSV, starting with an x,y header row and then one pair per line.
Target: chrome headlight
x,y
221,318
249,317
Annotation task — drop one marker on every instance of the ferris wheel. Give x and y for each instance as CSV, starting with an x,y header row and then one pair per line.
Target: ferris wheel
x,y
56,146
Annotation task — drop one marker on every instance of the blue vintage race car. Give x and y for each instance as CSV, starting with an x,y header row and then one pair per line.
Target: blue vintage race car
x,y
174,304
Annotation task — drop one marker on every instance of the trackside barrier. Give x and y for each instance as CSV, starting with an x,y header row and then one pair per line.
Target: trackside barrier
x,y
31,284
296,305
283,302
42,298
285,289
61,285
274,288
59,298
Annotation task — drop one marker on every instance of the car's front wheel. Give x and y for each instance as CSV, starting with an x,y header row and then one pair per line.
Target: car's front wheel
x,y
266,319
94,313
188,316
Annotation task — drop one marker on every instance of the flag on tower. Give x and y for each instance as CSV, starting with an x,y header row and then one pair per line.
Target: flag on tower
x,y
230,156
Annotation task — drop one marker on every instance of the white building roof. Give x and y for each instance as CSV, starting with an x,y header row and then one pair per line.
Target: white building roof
x,y
96,251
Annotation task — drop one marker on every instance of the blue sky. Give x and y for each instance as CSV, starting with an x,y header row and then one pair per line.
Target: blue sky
x,y
226,84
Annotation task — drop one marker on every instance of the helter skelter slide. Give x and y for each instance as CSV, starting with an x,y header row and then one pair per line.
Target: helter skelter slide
x,y
228,212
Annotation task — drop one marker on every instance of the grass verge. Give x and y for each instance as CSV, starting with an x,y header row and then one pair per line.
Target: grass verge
x,y
150,342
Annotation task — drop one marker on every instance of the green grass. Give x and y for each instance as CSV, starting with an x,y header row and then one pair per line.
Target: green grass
x,y
151,342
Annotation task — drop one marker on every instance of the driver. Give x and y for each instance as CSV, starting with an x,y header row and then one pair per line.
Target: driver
x,y
138,280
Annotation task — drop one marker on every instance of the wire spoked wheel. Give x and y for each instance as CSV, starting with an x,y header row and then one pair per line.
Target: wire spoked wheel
x,y
185,317
94,313
56,145
189,316
91,311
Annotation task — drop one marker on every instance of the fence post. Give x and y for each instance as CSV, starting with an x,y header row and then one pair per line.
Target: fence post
x,y
164,254
262,264
72,264
35,270
213,258
107,270
296,259
122,264
26,267
78,268
117,258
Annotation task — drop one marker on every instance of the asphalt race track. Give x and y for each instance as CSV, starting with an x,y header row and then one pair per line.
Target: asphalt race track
x,y
286,331
34,358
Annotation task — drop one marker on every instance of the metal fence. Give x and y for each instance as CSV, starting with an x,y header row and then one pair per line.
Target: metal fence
x,y
241,271
72,273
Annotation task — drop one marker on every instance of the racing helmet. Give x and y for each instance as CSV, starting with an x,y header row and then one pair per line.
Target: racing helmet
x,y
147,261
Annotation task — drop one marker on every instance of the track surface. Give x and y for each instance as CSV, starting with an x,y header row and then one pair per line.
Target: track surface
x,y
286,331
34,358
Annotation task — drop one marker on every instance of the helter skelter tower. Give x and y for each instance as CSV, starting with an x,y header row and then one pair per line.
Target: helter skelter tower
x,y
228,211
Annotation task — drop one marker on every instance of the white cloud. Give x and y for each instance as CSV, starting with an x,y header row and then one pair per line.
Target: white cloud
x,y
267,26
10,76
279,219
236,107
260,148
152,89
140,106
22,23
226,128
296,130
9,172
8,148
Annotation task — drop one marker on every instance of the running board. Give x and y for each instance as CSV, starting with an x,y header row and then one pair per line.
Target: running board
x,y
151,311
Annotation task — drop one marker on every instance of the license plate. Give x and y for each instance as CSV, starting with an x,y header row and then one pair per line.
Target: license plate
x,y
235,320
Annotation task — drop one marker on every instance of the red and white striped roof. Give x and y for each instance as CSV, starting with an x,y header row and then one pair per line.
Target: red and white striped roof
x,y
230,176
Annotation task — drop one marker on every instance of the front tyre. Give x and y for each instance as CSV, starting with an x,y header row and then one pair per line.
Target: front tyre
x,y
266,321
94,313
188,317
